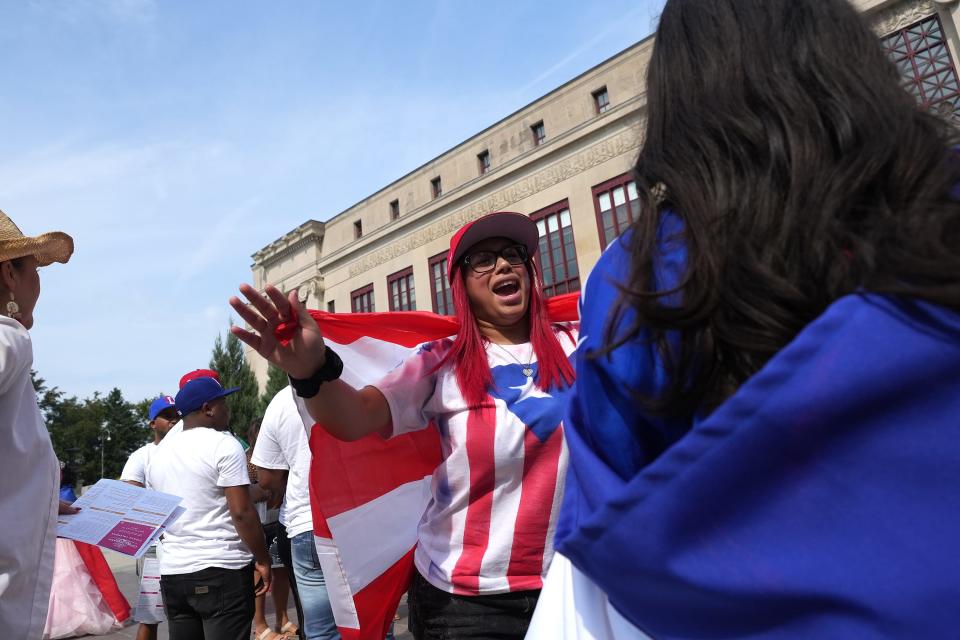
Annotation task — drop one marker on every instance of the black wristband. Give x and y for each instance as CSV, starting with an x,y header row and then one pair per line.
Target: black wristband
x,y
331,370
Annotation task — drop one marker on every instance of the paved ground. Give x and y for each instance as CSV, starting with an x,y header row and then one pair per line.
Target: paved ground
x,y
124,569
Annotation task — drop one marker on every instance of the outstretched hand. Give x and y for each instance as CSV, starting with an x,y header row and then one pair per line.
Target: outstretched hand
x,y
303,354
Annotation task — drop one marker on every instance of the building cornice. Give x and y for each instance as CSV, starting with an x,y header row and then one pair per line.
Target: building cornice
x,y
467,191
608,148
902,15
308,233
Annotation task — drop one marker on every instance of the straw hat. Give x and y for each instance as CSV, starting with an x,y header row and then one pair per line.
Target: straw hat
x,y
47,248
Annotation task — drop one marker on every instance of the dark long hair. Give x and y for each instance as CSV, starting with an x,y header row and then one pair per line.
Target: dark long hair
x,y
801,172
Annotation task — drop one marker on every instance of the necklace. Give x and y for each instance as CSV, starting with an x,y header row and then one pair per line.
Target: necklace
x,y
527,367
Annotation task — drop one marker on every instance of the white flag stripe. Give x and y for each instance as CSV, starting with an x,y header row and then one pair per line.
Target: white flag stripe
x,y
334,574
360,532
366,359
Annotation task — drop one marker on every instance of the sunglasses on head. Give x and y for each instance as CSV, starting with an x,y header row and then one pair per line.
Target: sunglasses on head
x,y
485,260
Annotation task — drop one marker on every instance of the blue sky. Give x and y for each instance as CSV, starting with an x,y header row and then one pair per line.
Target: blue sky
x,y
173,139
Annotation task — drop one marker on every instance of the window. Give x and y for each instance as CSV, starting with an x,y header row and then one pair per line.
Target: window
x,y
539,134
394,209
400,286
483,161
436,187
331,307
617,206
921,54
361,300
357,230
439,286
558,256
601,100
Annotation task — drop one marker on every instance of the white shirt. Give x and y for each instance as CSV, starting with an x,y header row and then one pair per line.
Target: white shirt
x,y
496,495
196,464
136,468
29,497
282,444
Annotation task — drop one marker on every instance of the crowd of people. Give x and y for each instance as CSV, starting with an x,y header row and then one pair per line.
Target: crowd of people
x,y
752,432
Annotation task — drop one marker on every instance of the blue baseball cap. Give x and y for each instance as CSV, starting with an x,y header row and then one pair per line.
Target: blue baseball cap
x,y
161,404
195,393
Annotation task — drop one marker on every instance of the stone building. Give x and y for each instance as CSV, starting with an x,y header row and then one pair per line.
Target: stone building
x,y
564,160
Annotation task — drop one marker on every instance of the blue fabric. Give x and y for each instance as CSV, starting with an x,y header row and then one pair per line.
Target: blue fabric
x,y
821,501
67,494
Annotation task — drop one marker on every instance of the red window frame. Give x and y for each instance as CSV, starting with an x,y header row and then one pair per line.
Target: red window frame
x,y
601,100
436,187
361,300
922,55
557,246
440,293
394,209
400,291
618,220
539,133
483,161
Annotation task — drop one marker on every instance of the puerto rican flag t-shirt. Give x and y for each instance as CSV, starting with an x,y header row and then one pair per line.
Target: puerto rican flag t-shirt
x,y
495,496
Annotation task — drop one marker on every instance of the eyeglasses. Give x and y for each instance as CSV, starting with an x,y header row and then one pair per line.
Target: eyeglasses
x,y
486,261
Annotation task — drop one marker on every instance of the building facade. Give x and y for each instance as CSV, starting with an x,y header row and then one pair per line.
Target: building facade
x,y
564,159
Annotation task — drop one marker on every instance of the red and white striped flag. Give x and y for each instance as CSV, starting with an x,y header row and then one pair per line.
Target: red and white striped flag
x,y
368,496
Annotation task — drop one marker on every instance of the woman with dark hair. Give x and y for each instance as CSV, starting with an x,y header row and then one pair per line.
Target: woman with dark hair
x,y
495,394
764,434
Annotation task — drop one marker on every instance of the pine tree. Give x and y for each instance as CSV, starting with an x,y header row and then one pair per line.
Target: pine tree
x,y
276,380
228,361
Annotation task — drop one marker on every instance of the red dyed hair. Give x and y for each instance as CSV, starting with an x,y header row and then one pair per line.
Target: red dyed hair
x,y
468,353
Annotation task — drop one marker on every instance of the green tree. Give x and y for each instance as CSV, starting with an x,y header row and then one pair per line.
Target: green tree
x,y
100,430
276,380
228,361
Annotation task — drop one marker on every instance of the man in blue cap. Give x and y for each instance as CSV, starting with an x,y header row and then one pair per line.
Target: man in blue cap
x,y
211,552
163,417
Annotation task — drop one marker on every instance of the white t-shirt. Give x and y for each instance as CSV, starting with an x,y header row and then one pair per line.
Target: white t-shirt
x,y
196,464
496,496
282,444
29,497
136,468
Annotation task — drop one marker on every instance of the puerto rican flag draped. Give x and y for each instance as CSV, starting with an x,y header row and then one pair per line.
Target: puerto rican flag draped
x,y
368,496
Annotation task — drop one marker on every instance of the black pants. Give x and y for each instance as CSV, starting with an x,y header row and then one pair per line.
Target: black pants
x,y
283,547
438,615
211,604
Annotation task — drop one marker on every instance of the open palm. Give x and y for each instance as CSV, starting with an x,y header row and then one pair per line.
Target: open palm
x,y
303,354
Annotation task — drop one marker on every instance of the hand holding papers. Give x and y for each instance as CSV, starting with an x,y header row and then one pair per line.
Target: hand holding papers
x,y
120,517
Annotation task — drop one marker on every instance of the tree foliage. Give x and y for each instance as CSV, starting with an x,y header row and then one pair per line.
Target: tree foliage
x,y
276,380
88,433
228,361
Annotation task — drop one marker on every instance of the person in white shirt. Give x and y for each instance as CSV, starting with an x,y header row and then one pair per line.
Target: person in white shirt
x,y
29,500
211,552
282,450
163,417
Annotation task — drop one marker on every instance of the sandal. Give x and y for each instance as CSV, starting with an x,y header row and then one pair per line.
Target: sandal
x,y
266,635
291,630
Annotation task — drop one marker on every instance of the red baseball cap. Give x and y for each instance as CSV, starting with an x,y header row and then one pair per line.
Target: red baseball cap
x,y
502,224
199,373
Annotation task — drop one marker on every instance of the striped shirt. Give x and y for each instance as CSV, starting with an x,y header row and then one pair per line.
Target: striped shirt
x,y
495,497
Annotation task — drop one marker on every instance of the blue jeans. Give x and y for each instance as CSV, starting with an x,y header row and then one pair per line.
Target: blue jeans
x,y
317,615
